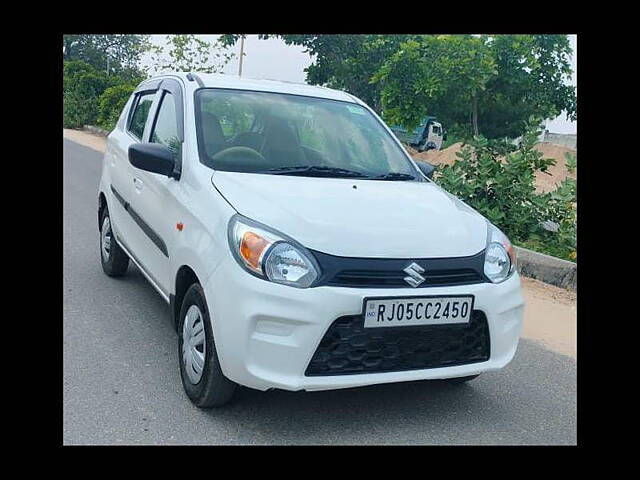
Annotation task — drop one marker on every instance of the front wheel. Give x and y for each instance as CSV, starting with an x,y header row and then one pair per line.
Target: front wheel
x,y
202,378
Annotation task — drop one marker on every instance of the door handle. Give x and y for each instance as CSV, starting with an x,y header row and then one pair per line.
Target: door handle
x,y
137,183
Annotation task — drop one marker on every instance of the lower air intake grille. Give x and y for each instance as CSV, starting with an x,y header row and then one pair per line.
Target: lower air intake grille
x,y
348,348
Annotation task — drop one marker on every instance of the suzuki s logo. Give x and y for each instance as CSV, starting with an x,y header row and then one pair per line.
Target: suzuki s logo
x,y
414,270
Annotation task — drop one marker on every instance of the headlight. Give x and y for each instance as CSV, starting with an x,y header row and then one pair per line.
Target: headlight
x,y
500,256
271,255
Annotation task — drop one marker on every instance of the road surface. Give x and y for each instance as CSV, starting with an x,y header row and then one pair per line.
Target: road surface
x,y
122,384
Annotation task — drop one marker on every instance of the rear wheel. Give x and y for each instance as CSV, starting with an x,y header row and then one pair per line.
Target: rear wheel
x,y
202,378
114,260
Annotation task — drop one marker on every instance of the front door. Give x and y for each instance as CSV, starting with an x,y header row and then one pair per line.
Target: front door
x,y
154,195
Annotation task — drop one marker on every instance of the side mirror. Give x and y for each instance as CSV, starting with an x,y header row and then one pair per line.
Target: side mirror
x,y
152,157
426,168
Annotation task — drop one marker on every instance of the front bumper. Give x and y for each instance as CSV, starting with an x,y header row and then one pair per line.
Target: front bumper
x,y
267,333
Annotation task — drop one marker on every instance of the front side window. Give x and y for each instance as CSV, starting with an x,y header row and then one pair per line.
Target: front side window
x,y
165,130
140,114
272,133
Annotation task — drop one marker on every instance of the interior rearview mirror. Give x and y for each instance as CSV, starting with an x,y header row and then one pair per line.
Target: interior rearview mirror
x,y
152,157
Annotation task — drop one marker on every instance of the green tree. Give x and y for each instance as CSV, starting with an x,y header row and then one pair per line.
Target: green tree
x,y
82,89
533,72
488,84
82,85
188,53
491,83
121,53
435,74
344,62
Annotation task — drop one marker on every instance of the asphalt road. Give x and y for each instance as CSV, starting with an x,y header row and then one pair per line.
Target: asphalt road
x,y
122,384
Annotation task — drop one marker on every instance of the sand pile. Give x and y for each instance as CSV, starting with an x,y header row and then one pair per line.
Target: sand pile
x,y
555,174
437,157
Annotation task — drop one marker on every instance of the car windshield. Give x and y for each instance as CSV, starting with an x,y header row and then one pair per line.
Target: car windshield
x,y
282,134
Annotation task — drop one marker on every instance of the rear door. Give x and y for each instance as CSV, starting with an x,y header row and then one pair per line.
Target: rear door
x,y
154,195
120,170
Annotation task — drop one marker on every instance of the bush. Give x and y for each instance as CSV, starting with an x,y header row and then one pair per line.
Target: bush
x,y
457,133
498,179
111,103
83,88
561,208
82,85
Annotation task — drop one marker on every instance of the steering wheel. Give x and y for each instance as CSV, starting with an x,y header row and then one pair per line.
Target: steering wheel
x,y
240,157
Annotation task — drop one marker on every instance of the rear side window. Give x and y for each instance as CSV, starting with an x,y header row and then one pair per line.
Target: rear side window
x,y
140,114
165,130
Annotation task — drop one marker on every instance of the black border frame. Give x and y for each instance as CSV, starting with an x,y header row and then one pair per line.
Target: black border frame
x,y
404,297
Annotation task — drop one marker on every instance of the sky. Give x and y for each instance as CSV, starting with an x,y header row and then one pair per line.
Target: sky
x,y
275,60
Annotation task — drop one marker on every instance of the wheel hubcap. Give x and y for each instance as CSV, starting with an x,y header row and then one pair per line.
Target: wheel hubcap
x,y
194,346
105,239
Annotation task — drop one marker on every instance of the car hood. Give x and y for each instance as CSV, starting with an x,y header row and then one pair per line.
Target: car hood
x,y
358,218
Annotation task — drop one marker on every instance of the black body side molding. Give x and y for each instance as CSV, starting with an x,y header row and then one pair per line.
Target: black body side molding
x,y
149,232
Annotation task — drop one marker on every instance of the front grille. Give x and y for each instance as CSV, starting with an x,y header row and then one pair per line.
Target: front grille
x,y
382,279
349,348
389,272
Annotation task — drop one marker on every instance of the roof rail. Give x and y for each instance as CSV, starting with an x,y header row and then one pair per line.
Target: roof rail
x,y
193,76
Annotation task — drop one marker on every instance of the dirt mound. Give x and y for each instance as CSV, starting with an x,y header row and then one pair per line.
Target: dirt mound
x,y
545,182
437,157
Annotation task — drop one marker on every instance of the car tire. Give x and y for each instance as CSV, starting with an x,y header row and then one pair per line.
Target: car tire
x,y
202,378
113,259
459,380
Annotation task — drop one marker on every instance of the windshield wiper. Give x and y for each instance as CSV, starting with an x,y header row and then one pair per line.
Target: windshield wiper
x,y
394,176
314,171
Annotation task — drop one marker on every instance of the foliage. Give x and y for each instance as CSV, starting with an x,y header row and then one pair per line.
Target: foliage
x,y
498,179
562,209
94,95
456,133
188,53
488,84
83,86
121,52
492,83
111,103
344,62
440,72
531,80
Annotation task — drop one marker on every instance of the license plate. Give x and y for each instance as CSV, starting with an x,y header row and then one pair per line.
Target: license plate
x,y
407,311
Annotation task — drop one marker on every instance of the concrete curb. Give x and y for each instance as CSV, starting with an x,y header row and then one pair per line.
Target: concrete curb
x,y
96,130
546,268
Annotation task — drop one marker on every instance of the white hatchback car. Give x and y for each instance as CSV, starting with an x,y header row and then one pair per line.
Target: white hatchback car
x,y
298,244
